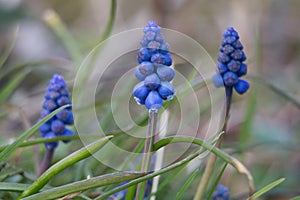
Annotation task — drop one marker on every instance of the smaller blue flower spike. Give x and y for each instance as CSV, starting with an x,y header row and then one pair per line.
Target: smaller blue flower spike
x,y
57,95
230,65
221,193
154,69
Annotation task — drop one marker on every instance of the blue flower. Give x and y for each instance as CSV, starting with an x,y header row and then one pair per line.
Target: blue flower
x,y
231,64
154,69
221,193
57,95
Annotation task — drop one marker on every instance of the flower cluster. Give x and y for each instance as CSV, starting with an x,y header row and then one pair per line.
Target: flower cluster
x,y
221,193
154,69
230,63
56,96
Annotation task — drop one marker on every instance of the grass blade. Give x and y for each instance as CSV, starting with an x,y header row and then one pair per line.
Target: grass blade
x,y
54,22
14,187
187,184
11,148
83,185
64,163
7,51
12,85
267,188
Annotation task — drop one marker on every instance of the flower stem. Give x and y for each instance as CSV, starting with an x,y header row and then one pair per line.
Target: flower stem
x,y
212,158
152,122
46,163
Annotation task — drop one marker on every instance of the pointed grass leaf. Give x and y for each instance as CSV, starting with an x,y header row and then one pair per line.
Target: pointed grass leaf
x,y
64,163
267,188
83,185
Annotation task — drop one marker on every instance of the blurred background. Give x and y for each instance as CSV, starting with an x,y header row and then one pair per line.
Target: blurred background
x,y
264,129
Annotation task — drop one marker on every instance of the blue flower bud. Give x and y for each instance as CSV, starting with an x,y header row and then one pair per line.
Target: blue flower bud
x,y
227,49
164,59
45,128
241,86
153,100
238,55
152,81
165,73
65,116
242,71
52,95
223,58
50,145
222,68
63,101
67,132
150,35
139,75
237,45
234,66
217,80
44,113
57,126
230,79
153,46
140,93
146,68
49,105
166,90
143,55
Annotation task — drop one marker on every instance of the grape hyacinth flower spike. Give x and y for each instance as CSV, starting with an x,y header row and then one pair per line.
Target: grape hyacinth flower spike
x,y
154,69
57,95
231,64
155,76
230,68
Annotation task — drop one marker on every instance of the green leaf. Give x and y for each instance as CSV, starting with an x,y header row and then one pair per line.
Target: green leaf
x,y
85,185
14,187
267,188
64,163
7,51
12,85
278,90
110,23
54,22
187,184
11,148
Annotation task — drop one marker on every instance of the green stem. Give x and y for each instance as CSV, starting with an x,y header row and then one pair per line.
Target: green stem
x,y
152,122
212,158
110,23
46,163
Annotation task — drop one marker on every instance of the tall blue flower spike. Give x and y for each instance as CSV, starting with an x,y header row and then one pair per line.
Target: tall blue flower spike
x,y
57,95
221,193
231,64
154,69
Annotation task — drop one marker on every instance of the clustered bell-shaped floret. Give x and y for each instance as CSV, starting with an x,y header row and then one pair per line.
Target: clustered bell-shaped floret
x,y
154,69
221,193
57,95
231,64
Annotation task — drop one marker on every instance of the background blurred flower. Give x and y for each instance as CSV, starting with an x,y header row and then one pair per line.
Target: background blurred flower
x,y
57,95
231,67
